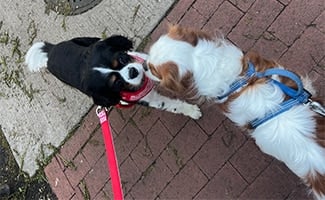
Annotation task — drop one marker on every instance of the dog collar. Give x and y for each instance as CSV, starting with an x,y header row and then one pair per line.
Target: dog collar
x,y
137,95
130,98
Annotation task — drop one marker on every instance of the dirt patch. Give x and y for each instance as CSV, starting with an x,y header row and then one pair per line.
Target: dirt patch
x,y
14,184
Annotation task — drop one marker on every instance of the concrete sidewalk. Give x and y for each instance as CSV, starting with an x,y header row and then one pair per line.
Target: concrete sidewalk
x,y
167,156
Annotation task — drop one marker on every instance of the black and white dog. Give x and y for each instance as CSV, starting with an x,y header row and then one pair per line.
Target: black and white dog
x,y
103,70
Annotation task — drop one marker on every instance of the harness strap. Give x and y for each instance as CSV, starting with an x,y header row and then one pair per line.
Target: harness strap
x,y
239,82
284,106
285,73
298,96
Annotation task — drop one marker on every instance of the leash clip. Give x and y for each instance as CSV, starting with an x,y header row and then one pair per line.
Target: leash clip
x,y
316,107
99,109
101,113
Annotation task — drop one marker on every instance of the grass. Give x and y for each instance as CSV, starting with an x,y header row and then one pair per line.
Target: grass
x,y
21,185
32,32
11,72
59,7
84,190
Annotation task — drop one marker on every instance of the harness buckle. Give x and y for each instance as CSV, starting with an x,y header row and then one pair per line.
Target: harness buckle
x,y
316,107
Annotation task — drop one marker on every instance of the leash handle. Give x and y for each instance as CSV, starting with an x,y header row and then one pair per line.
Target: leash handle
x,y
110,154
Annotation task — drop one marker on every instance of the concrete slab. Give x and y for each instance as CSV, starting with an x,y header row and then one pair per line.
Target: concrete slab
x,y
38,111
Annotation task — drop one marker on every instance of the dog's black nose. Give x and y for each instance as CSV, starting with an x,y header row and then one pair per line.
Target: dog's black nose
x,y
133,73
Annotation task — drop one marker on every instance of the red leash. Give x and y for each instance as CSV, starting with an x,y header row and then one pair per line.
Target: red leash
x,y
110,153
128,100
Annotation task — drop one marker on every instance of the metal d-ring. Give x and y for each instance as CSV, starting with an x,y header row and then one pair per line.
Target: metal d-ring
x,y
316,107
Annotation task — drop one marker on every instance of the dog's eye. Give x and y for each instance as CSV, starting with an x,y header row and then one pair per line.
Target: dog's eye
x,y
124,59
119,84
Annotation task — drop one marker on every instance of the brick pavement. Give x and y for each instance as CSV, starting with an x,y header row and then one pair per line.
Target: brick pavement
x,y
167,156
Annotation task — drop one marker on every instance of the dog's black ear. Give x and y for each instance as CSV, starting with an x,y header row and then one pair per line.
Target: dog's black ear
x,y
119,42
96,86
85,41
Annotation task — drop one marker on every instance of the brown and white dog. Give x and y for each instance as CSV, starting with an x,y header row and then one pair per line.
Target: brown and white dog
x,y
192,65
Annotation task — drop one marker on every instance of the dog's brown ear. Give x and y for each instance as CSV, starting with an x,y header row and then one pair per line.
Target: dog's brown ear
x,y
188,35
169,76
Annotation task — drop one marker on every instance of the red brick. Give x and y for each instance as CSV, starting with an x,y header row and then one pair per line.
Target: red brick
x,y
226,184
244,5
319,22
101,196
222,22
120,117
185,184
207,8
294,19
129,174
184,146
151,146
187,20
97,177
142,156
317,75
58,181
179,10
254,23
219,148
212,117
106,192
269,47
249,161
158,138
153,180
77,171
300,192
127,140
285,2
145,118
70,149
173,122
313,44
78,195
95,148
276,182
129,197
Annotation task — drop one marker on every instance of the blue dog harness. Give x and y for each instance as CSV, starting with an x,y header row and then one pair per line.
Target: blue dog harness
x,y
299,96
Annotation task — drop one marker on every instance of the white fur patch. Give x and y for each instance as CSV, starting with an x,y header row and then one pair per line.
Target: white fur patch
x,y
124,72
289,137
214,64
35,58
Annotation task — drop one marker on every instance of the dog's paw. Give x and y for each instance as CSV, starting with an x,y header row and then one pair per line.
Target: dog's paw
x,y
192,111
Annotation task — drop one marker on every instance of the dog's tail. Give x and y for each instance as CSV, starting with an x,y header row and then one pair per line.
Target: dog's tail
x,y
37,56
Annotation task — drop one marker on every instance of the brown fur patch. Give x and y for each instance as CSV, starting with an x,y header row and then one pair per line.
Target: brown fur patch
x,y
115,64
172,85
317,183
189,35
169,75
320,126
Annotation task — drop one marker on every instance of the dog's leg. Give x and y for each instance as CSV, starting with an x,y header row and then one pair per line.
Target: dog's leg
x,y
155,100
